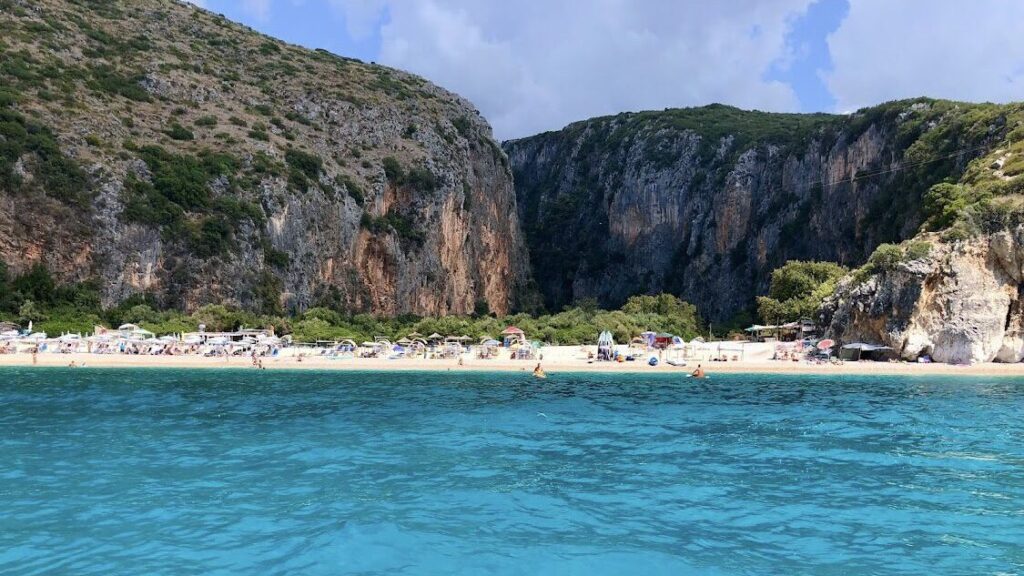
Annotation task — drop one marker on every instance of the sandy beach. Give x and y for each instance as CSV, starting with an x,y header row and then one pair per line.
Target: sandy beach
x,y
556,359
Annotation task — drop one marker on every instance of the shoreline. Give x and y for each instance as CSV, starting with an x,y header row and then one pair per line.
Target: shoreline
x,y
553,366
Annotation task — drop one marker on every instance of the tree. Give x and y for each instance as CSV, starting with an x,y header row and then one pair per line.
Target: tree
x,y
30,312
797,289
943,203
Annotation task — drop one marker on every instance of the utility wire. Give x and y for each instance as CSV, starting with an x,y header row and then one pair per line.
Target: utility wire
x,y
903,166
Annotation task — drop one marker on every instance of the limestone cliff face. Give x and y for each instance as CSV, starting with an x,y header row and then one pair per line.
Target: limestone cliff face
x,y
963,303
706,202
220,165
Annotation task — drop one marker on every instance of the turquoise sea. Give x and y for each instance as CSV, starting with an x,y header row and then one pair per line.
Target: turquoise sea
x,y
114,472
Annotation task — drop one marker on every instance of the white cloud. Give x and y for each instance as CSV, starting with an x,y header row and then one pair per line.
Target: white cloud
x,y
886,50
536,65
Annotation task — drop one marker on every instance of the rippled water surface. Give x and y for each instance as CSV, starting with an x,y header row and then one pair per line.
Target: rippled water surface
x,y
240,472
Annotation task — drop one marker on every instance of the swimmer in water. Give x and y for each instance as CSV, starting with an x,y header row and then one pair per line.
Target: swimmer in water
x,y
538,372
698,373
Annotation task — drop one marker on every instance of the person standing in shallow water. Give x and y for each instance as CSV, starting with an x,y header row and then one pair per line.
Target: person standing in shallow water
x,y
699,372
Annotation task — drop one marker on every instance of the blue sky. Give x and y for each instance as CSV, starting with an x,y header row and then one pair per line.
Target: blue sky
x,y
535,65
807,40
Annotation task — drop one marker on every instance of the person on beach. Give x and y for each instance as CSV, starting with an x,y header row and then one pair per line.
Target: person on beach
x,y
35,355
699,372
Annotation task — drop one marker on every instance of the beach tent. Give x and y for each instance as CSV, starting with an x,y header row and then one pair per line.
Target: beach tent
x,y
605,346
663,340
856,351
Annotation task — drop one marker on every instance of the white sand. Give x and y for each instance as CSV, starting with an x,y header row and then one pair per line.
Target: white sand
x,y
755,358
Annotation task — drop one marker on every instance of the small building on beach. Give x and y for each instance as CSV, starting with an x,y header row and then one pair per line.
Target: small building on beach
x,y
512,336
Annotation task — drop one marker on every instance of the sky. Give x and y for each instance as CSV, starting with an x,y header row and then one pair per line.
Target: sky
x,y
536,65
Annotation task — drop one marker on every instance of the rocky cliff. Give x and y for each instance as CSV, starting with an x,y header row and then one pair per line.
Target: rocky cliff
x,y
705,202
963,302
158,148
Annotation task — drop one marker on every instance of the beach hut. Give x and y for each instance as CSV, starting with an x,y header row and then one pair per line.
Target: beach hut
x,y
512,335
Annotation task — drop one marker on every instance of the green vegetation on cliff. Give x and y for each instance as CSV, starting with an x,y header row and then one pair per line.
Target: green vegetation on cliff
x,y
731,195
151,146
56,309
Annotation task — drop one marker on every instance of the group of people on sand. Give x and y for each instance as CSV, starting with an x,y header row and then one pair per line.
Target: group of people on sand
x,y
538,372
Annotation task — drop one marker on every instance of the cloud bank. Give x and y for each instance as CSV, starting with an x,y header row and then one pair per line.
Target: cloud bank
x,y
885,50
535,65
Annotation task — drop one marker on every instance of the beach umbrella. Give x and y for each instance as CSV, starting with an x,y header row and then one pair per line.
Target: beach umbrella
x,y
414,336
826,344
435,336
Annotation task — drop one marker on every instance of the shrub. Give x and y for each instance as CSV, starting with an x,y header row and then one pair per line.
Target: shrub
x,y
213,238
354,190
308,164
181,179
885,258
58,176
462,125
179,132
206,121
106,79
943,203
144,205
274,257
421,179
918,250
393,170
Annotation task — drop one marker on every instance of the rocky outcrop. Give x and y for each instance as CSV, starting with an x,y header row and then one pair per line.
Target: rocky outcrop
x,y
963,303
321,179
706,202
